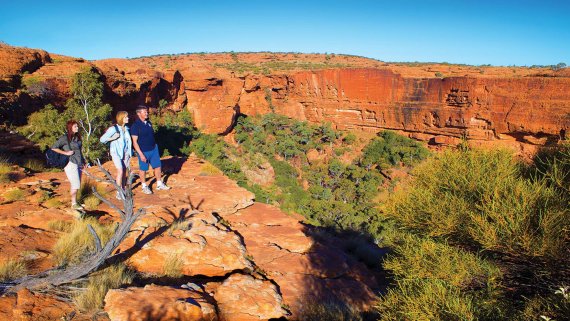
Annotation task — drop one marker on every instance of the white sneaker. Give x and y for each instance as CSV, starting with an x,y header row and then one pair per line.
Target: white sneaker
x,y
77,207
146,190
162,187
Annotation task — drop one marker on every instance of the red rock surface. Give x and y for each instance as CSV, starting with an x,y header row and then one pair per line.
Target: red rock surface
x,y
252,258
301,266
243,298
28,306
159,303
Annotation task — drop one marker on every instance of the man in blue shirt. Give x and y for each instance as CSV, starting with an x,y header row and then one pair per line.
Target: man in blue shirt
x,y
147,149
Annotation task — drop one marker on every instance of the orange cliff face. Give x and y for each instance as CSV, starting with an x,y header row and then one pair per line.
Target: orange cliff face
x,y
476,108
487,105
511,111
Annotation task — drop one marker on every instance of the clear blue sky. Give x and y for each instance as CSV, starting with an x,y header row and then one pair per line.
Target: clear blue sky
x,y
472,32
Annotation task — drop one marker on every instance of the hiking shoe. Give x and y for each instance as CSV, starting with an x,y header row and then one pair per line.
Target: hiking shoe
x,y
146,190
162,187
77,207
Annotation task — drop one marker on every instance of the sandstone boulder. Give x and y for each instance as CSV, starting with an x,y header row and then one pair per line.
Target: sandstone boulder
x,y
243,298
155,303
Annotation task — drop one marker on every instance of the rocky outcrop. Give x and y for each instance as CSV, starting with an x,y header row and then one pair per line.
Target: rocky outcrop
x,y
159,303
28,306
244,298
215,252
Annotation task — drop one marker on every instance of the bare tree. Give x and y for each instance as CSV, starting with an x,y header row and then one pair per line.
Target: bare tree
x,y
57,277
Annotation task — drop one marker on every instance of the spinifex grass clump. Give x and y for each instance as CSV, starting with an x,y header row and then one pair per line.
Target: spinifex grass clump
x,y
435,281
100,282
85,194
14,194
74,246
12,269
5,170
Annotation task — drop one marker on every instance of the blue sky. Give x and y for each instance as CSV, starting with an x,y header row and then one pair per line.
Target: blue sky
x,y
472,32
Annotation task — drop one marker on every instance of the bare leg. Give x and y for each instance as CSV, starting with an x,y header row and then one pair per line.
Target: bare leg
x,y
142,177
158,174
119,178
73,193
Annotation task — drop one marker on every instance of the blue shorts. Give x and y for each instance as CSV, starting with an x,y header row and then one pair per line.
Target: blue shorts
x,y
152,158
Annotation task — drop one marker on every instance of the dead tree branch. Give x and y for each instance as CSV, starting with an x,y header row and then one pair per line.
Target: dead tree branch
x,y
96,259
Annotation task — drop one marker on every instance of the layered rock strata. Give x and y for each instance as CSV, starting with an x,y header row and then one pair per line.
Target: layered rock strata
x,y
488,105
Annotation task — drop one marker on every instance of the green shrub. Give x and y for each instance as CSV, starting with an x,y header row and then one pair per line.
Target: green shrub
x,y
481,198
44,126
515,216
423,258
427,300
174,130
390,149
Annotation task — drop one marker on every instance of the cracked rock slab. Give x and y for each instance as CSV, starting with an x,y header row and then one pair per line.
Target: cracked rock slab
x,y
156,303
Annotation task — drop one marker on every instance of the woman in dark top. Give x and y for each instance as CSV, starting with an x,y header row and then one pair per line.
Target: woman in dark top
x,y
70,145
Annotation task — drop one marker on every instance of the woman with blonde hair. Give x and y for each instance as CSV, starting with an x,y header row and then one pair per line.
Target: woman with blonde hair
x,y
121,147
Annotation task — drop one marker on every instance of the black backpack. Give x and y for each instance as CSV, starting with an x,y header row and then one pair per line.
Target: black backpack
x,y
55,159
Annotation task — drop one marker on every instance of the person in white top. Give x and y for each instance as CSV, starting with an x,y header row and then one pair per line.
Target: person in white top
x,y
121,147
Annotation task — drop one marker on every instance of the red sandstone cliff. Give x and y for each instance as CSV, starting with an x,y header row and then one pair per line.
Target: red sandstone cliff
x,y
488,105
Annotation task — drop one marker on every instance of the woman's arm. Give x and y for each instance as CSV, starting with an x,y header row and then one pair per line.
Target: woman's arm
x,y
64,152
57,147
107,135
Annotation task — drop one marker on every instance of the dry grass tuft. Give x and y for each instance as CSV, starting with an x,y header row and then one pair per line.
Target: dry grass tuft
x,y
12,269
5,170
86,190
14,194
328,310
72,247
60,226
52,203
209,170
91,202
35,165
173,266
112,277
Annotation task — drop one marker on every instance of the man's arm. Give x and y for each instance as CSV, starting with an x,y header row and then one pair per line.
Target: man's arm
x,y
138,149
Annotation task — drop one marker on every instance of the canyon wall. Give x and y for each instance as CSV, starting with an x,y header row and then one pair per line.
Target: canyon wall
x,y
530,110
516,107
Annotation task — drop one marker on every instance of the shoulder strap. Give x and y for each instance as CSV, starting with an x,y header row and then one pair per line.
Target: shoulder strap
x,y
116,128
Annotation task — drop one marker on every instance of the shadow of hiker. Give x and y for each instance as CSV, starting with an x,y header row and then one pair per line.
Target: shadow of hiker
x,y
172,165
